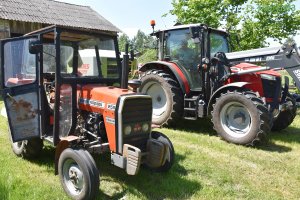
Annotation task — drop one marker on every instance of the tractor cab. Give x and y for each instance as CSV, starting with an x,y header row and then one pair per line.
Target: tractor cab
x,y
63,85
41,85
180,45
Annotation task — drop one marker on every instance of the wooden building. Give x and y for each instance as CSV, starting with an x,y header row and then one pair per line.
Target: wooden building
x,y
18,17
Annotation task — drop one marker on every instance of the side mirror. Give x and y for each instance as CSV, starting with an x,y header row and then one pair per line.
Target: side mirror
x,y
35,46
195,32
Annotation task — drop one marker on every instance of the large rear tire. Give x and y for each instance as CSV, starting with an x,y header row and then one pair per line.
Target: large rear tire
x,y
27,148
167,97
287,116
241,118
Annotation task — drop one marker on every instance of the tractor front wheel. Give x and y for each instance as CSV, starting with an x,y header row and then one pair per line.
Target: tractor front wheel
x,y
241,118
167,97
168,158
286,116
78,174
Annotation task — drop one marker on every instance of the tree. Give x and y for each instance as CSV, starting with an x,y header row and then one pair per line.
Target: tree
x,y
141,42
253,20
123,39
147,56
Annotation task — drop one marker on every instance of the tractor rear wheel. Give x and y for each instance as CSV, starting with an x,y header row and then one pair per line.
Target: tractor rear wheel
x,y
241,118
77,174
287,116
30,148
167,97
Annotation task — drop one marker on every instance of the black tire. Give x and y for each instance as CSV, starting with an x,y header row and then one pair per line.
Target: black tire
x,y
77,175
241,118
27,148
287,116
93,168
170,153
163,113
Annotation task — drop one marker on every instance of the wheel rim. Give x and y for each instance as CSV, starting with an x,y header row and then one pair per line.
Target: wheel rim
x,y
73,177
19,144
236,119
159,98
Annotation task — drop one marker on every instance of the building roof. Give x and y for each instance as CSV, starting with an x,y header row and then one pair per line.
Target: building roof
x,y
54,12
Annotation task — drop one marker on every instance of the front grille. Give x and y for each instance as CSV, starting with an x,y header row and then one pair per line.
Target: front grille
x,y
136,112
271,86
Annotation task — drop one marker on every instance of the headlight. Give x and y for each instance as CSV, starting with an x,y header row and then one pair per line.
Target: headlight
x,y
127,130
268,77
145,127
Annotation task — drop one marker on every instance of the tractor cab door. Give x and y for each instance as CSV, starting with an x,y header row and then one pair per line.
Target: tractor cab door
x,y
19,84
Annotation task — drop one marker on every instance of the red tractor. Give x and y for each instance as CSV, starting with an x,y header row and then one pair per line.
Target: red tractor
x,y
55,90
196,77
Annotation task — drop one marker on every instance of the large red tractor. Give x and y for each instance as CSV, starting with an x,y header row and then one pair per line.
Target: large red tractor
x,y
196,77
55,90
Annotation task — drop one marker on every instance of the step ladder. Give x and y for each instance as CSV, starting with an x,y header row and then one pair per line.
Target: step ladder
x,y
190,108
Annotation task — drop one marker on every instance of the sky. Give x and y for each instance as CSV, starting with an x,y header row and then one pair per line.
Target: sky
x,y
132,15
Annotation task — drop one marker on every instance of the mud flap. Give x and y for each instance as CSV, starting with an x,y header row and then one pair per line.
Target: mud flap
x,y
156,151
133,159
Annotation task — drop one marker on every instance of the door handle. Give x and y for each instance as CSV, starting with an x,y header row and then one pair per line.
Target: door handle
x,y
11,97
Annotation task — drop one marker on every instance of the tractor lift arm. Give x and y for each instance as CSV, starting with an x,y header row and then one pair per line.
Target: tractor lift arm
x,y
277,58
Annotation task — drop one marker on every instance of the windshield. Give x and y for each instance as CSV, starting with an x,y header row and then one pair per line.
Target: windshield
x,y
93,56
218,43
181,48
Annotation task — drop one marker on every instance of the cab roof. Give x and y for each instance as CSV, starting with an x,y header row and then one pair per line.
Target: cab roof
x,y
186,26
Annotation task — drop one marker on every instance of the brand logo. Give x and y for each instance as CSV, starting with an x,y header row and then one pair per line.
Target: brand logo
x,y
110,120
90,102
270,58
111,106
297,73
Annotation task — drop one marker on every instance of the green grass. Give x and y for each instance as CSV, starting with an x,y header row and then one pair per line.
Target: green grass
x,y
205,168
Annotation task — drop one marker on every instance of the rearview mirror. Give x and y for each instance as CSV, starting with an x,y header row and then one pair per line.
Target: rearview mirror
x,y
35,46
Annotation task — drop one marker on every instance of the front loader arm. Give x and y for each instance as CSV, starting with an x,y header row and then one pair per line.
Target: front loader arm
x,y
278,58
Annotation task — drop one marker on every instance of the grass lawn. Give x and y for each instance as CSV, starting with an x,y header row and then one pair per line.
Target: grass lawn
x,y
205,168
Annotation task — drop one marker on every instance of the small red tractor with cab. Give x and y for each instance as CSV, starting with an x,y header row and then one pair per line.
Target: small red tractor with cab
x,y
54,91
197,77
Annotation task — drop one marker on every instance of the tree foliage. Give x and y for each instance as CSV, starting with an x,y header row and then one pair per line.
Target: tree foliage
x,y
142,44
123,39
253,20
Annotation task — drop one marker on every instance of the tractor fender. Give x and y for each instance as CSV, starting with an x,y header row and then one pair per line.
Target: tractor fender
x,y
218,92
170,68
61,146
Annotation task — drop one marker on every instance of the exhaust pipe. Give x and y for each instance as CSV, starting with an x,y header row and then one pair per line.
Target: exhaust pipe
x,y
125,67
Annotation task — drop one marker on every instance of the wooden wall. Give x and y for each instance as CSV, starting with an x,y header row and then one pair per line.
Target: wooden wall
x,y
9,28
18,27
4,29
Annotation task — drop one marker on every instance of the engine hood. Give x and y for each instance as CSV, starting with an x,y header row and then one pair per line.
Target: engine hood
x,y
247,66
97,98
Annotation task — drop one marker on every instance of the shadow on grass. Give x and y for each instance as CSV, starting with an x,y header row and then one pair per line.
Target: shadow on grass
x,y
45,159
172,184
289,135
203,126
152,185
272,147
